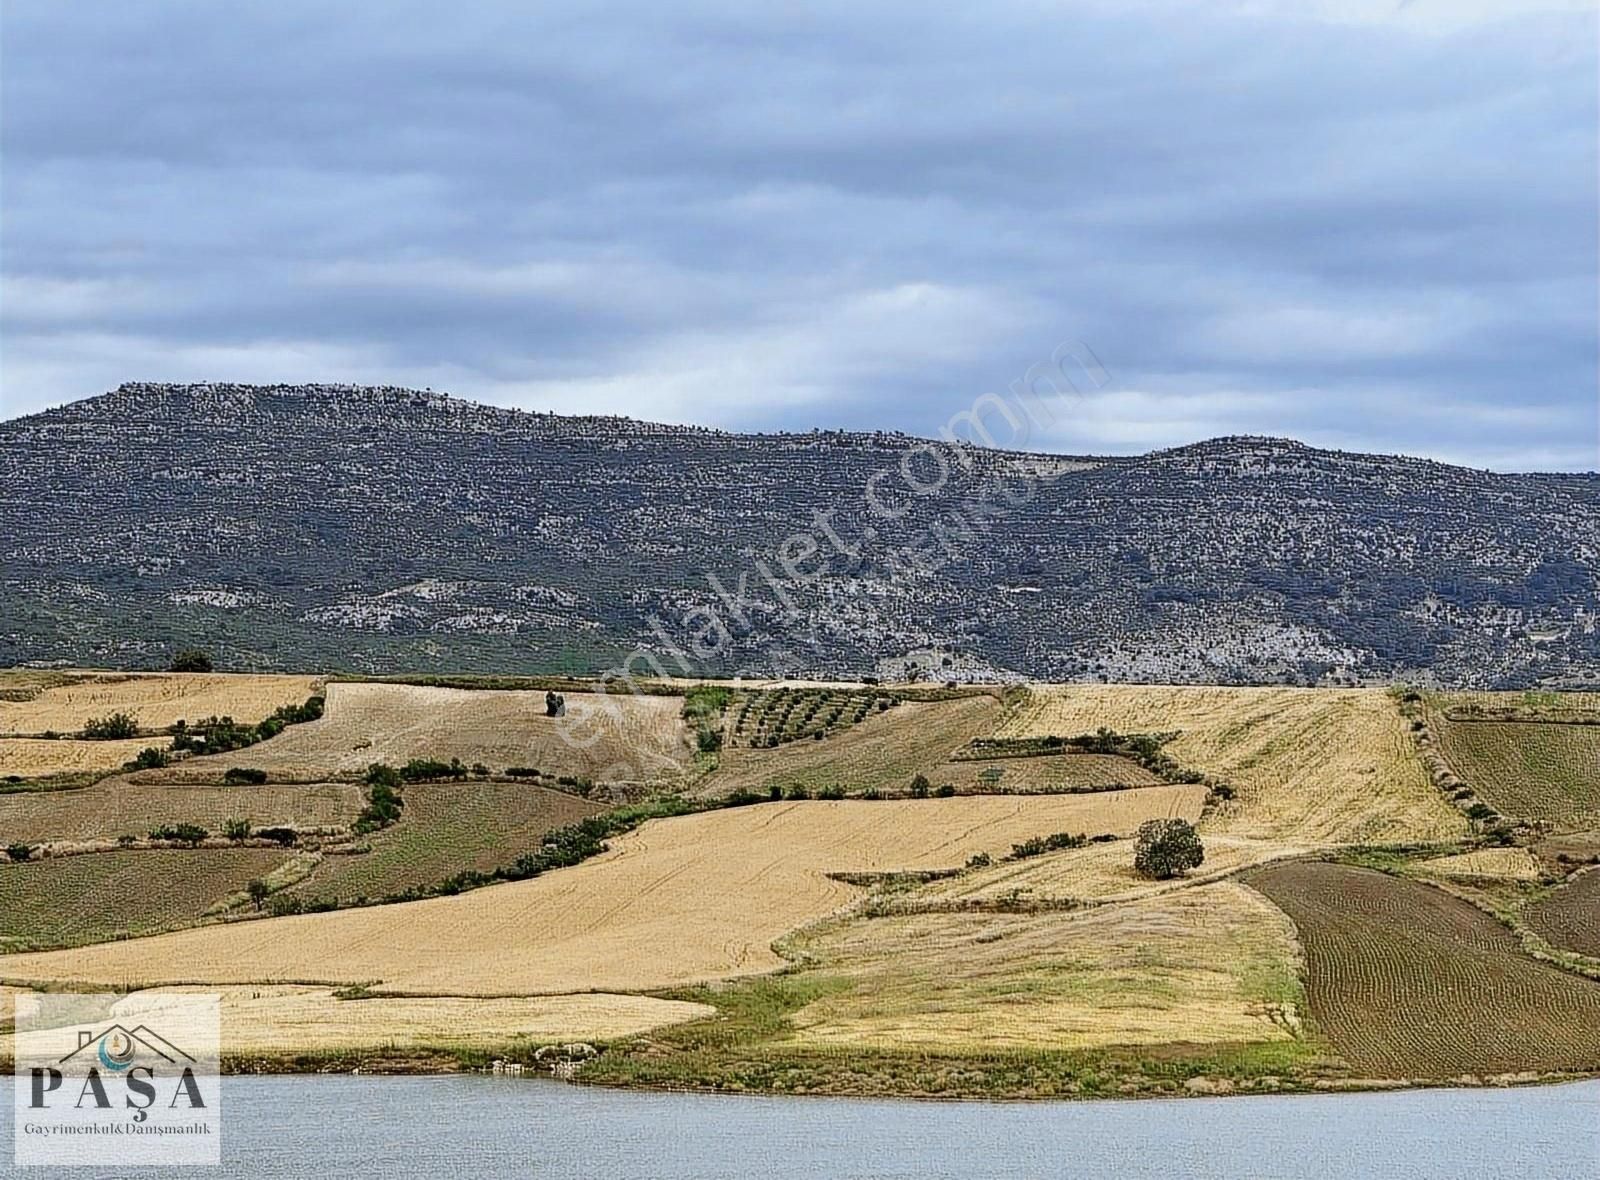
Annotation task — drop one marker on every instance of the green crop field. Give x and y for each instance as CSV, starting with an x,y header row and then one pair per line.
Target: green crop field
x,y
71,900
1528,769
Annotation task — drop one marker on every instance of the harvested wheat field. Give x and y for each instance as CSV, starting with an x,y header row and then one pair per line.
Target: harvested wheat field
x,y
1210,964
1098,873
621,737
65,901
115,807
1528,769
1407,981
445,829
287,1019
1502,864
1310,765
677,901
884,751
1049,772
154,700
1569,918
39,757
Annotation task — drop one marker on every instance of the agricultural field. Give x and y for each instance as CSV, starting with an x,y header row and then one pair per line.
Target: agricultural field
x,y
69,900
674,902
620,737
1560,855
882,752
444,829
1407,981
115,807
1210,964
1308,765
1535,770
286,1018
1048,772
1498,864
1569,917
1099,873
38,757
66,702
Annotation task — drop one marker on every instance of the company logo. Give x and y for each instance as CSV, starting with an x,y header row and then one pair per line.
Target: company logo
x,y
137,1083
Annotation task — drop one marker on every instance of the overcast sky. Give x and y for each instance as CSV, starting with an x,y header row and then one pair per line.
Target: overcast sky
x,y
1364,225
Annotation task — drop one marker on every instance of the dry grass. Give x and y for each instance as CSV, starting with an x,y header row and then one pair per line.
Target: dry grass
x,y
677,901
623,737
885,750
154,699
37,757
288,1019
1204,965
1506,864
1098,873
78,899
1309,765
114,807
1052,772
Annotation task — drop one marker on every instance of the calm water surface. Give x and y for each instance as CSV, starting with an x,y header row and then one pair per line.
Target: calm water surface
x,y
335,1127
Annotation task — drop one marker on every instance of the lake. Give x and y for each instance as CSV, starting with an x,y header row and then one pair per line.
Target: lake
x,y
341,1126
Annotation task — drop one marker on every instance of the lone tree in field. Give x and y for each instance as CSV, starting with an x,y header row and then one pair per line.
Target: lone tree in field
x,y
1167,848
191,660
258,892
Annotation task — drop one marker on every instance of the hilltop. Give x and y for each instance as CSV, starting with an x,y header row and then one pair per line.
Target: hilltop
x,y
389,529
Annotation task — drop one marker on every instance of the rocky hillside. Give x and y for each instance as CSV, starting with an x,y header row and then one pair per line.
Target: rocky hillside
x,y
322,527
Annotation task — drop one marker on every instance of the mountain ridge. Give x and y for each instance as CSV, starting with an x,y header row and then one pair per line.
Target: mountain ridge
x,y
387,529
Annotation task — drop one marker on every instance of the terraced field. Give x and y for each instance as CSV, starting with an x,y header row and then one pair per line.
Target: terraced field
x,y
444,829
115,807
678,900
1407,981
884,751
1528,769
81,899
622,737
154,700
1205,965
1570,917
1308,765
1502,864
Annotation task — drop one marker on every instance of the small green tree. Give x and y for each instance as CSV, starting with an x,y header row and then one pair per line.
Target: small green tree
x,y
920,786
1166,848
149,758
236,829
191,660
258,893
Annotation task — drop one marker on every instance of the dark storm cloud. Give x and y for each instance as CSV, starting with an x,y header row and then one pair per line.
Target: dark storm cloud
x,y
1360,225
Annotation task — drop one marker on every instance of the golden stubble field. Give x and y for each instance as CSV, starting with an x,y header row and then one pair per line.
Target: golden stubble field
x,y
1214,963
677,901
153,699
1310,765
618,737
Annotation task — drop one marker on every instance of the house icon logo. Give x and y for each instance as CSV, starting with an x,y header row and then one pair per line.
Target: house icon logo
x,y
119,1048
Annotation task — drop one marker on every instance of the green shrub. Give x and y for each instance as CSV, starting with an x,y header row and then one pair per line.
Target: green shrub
x,y
236,829
149,758
945,790
1043,844
116,727
920,786
244,776
19,852
190,834
191,660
